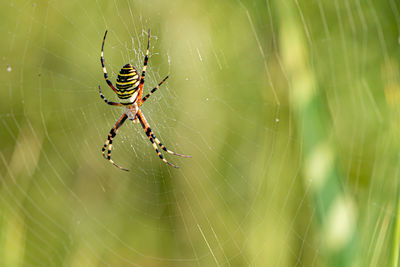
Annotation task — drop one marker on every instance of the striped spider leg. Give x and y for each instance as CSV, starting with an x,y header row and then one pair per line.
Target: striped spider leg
x,y
104,67
146,59
108,143
152,138
152,91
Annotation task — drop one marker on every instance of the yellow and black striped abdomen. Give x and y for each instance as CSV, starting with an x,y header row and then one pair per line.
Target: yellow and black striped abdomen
x,y
127,81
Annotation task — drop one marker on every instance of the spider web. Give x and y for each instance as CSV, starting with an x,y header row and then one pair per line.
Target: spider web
x,y
245,197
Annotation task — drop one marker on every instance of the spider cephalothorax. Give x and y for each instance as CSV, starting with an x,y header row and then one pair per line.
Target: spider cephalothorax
x,y
130,87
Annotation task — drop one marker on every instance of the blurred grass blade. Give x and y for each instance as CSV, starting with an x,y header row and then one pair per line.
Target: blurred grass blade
x,y
335,210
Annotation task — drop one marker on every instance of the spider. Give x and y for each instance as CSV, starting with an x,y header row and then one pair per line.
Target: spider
x,y
128,86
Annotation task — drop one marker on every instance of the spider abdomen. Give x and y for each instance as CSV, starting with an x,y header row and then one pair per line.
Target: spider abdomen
x,y
127,81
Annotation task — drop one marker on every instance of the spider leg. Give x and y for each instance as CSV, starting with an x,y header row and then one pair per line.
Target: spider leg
x,y
146,59
165,149
103,66
150,135
162,146
113,103
108,102
152,91
108,143
144,122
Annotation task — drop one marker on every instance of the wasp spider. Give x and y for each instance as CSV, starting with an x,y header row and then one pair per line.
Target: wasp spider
x,y
130,87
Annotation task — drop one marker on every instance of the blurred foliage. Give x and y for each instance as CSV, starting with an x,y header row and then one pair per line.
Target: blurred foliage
x,y
255,88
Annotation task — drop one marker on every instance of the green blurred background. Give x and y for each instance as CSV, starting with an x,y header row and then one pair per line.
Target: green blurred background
x,y
289,109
